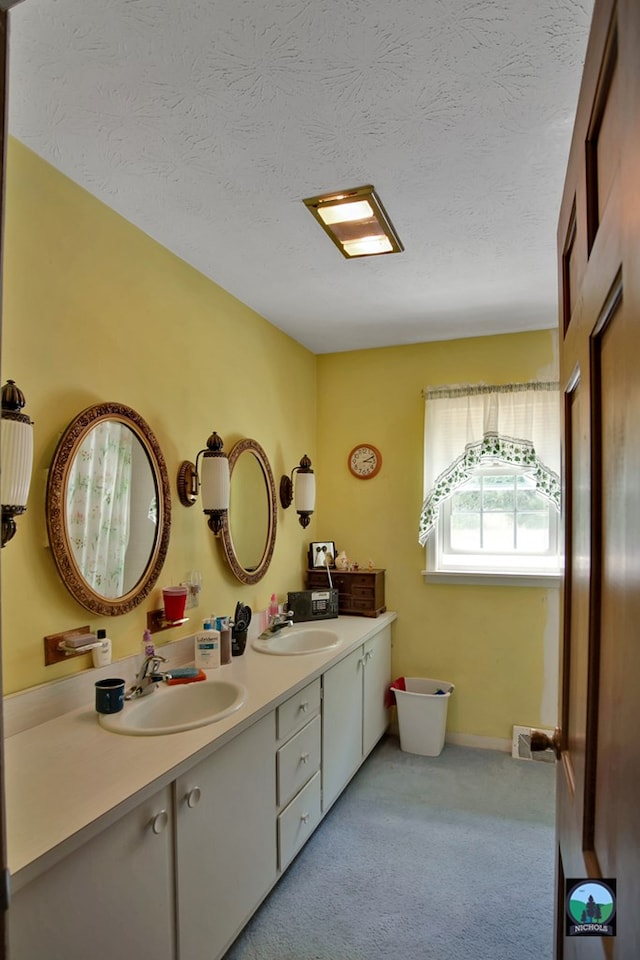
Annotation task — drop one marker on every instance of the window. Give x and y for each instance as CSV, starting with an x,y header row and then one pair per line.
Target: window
x,y
492,503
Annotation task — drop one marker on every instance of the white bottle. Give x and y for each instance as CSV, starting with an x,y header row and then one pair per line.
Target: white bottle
x,y
101,655
207,647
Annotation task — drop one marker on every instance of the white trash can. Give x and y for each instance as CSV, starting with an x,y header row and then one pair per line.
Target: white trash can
x,y
422,714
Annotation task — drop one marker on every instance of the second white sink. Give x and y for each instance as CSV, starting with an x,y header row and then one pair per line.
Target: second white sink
x,y
170,709
291,641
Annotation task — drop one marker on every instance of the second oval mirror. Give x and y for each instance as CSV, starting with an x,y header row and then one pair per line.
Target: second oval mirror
x,y
249,531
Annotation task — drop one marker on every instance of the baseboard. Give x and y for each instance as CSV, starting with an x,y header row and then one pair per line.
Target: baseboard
x,y
483,743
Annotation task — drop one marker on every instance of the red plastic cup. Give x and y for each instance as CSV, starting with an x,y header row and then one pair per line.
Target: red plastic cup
x,y
174,599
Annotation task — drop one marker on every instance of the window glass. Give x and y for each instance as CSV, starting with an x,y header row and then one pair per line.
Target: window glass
x,y
496,522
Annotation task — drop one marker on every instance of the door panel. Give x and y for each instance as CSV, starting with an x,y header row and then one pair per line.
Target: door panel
x,y
574,717
615,793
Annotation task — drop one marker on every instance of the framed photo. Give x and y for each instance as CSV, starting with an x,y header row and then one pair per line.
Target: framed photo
x,y
322,553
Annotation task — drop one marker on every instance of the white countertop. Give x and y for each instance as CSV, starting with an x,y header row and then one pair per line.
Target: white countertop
x,y
70,775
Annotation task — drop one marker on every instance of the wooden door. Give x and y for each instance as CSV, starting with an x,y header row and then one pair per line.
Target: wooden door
x,y
598,793
4,873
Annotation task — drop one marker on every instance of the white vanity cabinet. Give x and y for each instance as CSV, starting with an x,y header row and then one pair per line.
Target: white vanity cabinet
x,y
185,866
354,716
225,841
298,770
112,897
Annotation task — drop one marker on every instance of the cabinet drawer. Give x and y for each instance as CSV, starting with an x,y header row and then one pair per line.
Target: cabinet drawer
x,y
298,820
298,760
298,710
365,591
359,580
364,604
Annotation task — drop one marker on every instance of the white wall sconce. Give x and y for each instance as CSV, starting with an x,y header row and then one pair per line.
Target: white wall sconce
x,y
304,491
17,457
212,481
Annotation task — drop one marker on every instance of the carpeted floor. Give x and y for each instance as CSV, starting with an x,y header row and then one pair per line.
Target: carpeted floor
x,y
443,858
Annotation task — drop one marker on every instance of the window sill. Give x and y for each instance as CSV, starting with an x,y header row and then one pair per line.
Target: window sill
x,y
549,580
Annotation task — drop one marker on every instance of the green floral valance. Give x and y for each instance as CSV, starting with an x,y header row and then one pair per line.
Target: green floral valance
x,y
492,448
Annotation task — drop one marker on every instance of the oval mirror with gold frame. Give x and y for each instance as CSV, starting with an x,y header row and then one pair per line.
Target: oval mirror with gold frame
x,y
108,508
249,529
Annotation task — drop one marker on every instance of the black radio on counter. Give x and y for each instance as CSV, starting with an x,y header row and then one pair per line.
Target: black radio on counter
x,y
313,604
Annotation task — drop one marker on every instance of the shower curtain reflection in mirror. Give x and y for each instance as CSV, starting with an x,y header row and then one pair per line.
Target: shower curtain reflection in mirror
x,y
99,506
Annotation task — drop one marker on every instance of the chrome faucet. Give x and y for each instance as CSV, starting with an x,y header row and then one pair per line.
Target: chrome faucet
x,y
279,621
148,676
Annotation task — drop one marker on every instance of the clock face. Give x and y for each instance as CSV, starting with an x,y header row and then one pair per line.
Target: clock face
x,y
365,461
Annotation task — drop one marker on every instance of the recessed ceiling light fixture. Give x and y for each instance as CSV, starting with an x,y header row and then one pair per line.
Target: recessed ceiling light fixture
x,y
356,221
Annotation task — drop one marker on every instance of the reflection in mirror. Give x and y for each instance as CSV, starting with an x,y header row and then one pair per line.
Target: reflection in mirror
x,y
248,511
108,508
249,531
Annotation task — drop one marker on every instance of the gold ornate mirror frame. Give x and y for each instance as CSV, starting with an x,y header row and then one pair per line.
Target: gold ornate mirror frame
x,y
70,444
256,573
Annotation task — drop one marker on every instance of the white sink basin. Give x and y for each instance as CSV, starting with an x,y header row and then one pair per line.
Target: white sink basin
x,y
291,641
170,709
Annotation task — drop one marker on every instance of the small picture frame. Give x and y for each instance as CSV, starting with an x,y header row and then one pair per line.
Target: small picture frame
x,y
322,553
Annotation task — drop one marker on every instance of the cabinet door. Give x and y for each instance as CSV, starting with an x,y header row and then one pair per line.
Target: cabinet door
x,y
341,725
226,841
114,897
377,677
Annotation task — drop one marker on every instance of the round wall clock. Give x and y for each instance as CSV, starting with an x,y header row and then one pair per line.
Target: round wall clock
x,y
365,461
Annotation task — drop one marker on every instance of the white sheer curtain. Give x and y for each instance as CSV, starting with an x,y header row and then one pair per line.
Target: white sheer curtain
x,y
466,427
98,506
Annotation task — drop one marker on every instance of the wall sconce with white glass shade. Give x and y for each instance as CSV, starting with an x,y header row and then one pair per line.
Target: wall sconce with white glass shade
x,y
356,222
17,457
302,492
212,481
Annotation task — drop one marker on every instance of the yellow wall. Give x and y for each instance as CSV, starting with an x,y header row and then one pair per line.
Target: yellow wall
x,y
96,311
492,642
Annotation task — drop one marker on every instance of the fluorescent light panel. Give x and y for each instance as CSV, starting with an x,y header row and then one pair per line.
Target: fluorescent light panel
x,y
356,221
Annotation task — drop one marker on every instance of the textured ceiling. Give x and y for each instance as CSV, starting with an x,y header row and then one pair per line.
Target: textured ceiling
x,y
205,122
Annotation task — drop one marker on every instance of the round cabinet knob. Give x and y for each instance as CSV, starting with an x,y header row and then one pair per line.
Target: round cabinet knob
x,y
369,655
305,706
193,797
304,757
304,818
160,822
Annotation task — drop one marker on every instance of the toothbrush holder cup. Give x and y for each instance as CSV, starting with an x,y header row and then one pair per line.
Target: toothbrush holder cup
x,y
109,695
174,599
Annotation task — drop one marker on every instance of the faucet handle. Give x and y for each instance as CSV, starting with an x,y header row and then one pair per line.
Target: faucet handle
x,y
155,661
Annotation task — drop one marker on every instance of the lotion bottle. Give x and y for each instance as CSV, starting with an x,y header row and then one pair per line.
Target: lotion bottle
x,y
101,655
207,647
